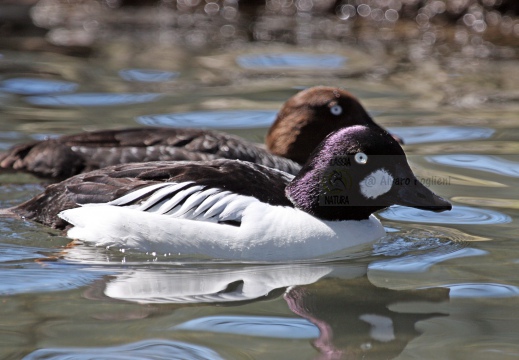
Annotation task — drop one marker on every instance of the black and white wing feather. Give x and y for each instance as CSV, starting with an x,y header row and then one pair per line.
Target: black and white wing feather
x,y
210,189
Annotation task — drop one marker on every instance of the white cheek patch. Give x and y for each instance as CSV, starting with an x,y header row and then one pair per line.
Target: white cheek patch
x,y
375,184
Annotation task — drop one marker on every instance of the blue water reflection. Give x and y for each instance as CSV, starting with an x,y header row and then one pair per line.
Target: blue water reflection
x,y
36,277
458,215
212,119
478,290
147,75
488,163
156,349
93,99
11,252
422,262
424,134
291,61
34,86
264,326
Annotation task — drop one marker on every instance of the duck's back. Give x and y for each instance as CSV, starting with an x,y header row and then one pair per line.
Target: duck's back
x,y
66,156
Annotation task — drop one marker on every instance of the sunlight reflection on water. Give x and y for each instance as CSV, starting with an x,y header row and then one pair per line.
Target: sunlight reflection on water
x,y
93,99
425,134
36,277
458,215
213,119
291,61
487,163
421,262
147,75
149,349
478,290
34,86
264,326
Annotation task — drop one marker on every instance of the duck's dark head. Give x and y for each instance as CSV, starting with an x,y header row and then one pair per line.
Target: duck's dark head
x,y
309,116
356,171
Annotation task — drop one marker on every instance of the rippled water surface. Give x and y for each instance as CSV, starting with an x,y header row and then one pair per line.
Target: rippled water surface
x,y
438,285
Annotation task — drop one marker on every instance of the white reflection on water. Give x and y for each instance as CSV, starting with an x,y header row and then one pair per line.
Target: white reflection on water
x,y
424,134
291,61
147,75
264,326
488,163
92,99
211,284
458,215
156,349
169,281
214,119
33,86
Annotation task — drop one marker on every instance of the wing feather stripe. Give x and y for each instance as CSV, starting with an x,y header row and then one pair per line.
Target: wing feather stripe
x,y
210,201
219,206
134,195
234,209
177,198
160,194
194,200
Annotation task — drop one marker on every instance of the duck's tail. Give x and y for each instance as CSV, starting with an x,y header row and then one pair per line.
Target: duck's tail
x,y
8,213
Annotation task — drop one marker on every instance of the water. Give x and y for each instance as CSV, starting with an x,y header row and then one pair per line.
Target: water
x,y
437,286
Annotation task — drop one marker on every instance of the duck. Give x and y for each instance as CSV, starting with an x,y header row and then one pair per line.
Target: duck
x,y
238,210
302,123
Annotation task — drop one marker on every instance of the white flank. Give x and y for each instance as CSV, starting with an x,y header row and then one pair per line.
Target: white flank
x,y
375,184
266,233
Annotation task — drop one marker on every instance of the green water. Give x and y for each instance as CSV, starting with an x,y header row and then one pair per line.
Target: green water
x,y
437,286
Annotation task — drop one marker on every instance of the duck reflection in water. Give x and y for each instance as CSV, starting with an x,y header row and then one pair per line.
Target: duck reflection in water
x,y
352,317
364,327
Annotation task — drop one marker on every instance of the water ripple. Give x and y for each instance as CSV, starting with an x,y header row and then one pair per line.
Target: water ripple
x,y
10,252
34,86
488,163
156,349
459,215
422,262
35,277
425,134
478,290
147,75
93,99
264,326
213,119
291,61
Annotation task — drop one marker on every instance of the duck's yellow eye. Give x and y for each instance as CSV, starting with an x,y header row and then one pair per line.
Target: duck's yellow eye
x,y
361,158
336,110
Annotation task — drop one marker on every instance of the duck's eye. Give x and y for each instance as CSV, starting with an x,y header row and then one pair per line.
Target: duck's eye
x,y
336,110
361,158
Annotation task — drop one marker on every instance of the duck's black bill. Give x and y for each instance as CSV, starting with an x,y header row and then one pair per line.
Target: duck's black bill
x,y
416,195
